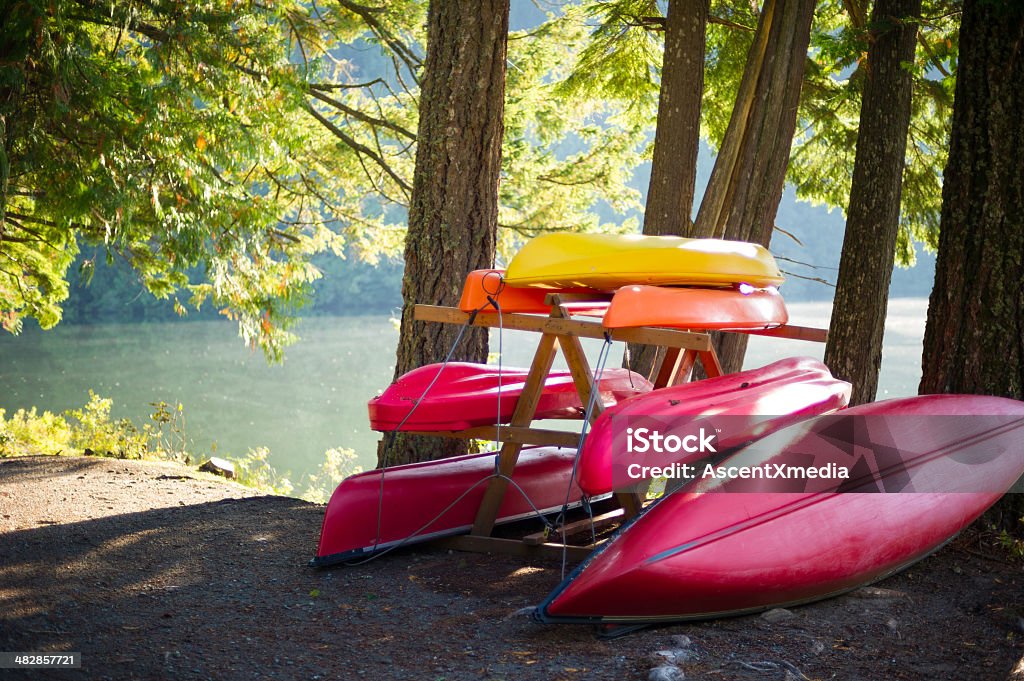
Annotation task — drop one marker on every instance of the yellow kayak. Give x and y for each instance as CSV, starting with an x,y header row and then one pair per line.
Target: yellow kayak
x,y
609,261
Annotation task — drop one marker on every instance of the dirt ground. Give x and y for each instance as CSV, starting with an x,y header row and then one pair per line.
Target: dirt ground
x,y
154,571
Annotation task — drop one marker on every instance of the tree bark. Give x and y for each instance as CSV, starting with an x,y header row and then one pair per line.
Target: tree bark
x,y
974,337
453,213
854,348
677,136
749,175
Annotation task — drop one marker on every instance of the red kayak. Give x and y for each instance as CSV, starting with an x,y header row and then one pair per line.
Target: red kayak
x,y
738,408
920,470
466,395
410,504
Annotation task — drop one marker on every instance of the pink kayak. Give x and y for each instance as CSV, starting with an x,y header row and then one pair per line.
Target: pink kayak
x,y
919,470
431,499
737,408
466,395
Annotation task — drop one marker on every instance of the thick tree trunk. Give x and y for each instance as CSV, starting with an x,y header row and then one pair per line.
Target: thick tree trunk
x,y
854,349
677,137
746,183
974,338
453,214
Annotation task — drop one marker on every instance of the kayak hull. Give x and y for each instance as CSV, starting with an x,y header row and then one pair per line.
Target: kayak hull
x,y
379,509
483,288
739,407
609,261
464,395
733,309
736,546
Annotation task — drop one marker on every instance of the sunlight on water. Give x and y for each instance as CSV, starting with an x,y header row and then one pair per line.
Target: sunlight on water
x,y
317,399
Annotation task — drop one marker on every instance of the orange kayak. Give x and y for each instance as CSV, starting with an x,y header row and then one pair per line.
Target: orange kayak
x,y
737,309
481,284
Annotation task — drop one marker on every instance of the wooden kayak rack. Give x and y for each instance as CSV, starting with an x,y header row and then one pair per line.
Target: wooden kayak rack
x,y
678,351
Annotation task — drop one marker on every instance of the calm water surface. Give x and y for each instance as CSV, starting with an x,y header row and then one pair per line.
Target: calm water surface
x,y
317,399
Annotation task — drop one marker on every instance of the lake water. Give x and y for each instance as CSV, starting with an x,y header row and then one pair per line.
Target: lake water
x,y
317,399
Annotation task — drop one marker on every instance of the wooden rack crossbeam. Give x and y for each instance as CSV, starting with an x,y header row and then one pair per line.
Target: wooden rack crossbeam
x,y
517,321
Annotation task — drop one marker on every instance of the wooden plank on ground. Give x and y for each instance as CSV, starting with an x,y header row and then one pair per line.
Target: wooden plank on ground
x,y
577,527
514,547
516,434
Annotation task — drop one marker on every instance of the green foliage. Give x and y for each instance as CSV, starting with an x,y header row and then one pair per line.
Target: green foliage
x,y
90,430
218,148
821,166
622,63
338,464
565,150
622,60
163,133
255,470
168,432
1013,545
93,431
27,433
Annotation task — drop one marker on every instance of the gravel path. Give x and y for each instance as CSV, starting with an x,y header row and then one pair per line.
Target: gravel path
x,y
154,571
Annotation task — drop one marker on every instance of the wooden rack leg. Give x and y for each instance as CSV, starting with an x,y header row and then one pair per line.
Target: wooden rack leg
x,y
526,407
667,368
709,359
583,377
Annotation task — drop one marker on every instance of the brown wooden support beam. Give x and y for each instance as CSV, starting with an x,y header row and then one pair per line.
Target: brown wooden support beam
x,y
515,547
526,407
516,321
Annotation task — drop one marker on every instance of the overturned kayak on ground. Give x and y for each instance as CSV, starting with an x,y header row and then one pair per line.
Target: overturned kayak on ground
x,y
918,469
373,511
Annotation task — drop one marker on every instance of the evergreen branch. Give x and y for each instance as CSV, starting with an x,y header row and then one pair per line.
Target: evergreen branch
x,y
805,264
359,148
932,57
728,23
13,219
346,86
789,234
397,46
360,116
817,279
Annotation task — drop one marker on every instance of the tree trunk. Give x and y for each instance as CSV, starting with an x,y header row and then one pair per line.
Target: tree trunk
x,y
677,137
854,349
746,183
453,213
974,337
